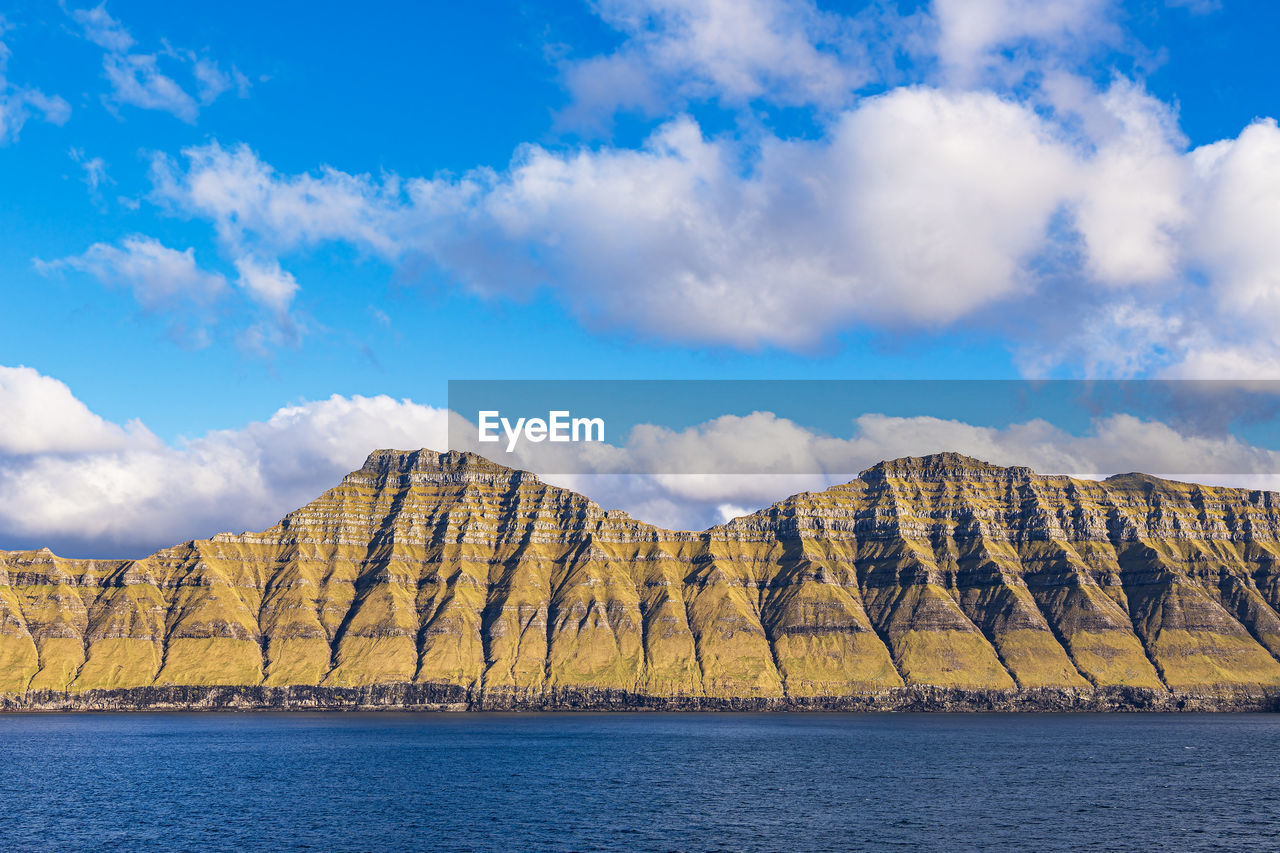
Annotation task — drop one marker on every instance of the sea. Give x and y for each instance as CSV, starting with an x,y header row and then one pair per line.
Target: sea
x,y
639,781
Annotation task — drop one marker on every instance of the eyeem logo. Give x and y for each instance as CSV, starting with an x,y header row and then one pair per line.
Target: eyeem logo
x,y
558,426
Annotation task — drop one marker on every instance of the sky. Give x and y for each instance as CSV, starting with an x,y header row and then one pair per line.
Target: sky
x,y
244,244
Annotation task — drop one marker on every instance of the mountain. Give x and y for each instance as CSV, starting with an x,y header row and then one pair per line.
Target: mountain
x,y
444,580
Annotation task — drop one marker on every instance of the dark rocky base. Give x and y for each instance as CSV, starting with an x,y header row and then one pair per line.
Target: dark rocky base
x,y
444,697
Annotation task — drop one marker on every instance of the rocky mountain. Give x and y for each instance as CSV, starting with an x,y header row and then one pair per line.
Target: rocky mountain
x,y
444,580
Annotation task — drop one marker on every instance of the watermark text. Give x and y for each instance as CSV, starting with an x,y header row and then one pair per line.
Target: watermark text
x,y
557,426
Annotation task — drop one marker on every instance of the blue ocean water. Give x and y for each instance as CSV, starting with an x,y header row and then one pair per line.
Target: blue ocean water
x,y
791,782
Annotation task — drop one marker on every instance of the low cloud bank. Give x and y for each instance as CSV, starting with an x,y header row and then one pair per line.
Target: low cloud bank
x,y
84,486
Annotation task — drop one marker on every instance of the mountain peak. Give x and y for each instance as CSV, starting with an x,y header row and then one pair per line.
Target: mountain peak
x,y
947,465
425,461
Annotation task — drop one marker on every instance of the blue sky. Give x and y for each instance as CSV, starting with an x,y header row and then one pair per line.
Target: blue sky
x,y
214,214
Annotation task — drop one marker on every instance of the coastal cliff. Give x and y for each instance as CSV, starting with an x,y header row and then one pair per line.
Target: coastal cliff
x,y
443,580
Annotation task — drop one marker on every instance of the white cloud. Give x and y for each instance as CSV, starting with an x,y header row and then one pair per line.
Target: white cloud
x,y
79,484
42,416
16,107
974,37
1133,208
95,169
17,103
137,80
95,173
752,461
939,212
734,51
159,277
136,77
52,108
102,29
1231,316
1196,226
267,284
1068,217
172,283
162,280
792,53
1237,210
1115,444
1081,222
248,201
212,81
919,207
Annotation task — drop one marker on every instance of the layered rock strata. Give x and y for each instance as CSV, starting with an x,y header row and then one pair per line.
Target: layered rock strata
x,y
444,580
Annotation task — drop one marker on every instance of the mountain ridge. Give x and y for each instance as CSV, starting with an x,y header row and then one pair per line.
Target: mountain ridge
x,y
936,581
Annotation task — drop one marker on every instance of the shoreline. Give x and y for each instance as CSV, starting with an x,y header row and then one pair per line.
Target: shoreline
x,y
457,699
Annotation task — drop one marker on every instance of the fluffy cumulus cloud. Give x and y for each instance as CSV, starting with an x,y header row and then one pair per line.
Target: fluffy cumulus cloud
x,y
137,78
788,459
1192,226
700,475
923,207
1238,200
43,416
918,207
1133,207
1003,190
82,485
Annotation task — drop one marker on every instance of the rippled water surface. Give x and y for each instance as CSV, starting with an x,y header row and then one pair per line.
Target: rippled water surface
x,y
639,782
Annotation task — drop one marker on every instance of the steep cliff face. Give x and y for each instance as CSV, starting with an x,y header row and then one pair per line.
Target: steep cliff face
x,y
448,570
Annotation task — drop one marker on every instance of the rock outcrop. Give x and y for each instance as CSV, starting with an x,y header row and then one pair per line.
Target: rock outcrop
x,y
444,580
